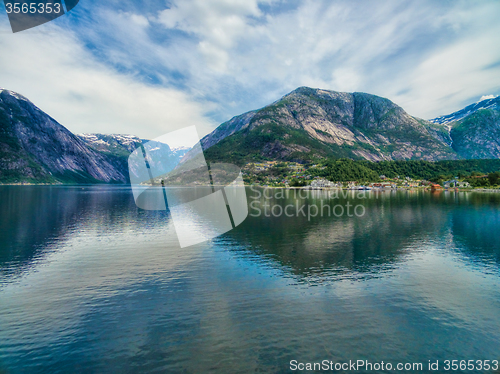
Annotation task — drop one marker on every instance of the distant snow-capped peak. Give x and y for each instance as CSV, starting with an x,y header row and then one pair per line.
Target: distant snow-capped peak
x,y
180,149
487,97
486,102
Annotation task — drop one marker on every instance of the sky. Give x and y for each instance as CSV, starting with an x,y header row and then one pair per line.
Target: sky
x,y
150,67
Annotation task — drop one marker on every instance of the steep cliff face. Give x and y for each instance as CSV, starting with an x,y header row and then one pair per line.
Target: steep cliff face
x,y
228,128
115,147
36,148
310,123
118,147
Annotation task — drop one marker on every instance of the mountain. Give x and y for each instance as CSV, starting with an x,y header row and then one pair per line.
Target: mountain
x,y
114,144
475,130
303,125
123,145
313,123
179,152
36,148
468,110
117,147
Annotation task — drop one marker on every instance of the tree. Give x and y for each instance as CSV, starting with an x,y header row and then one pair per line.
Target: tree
x,y
297,183
493,178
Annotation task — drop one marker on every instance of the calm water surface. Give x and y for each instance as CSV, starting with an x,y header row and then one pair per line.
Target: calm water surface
x,y
91,284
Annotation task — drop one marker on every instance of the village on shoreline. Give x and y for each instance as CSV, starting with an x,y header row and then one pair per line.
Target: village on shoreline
x,y
299,176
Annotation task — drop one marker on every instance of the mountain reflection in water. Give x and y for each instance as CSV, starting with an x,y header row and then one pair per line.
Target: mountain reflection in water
x,y
91,283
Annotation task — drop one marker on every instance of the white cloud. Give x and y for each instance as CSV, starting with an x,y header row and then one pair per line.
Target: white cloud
x,y
427,57
139,20
53,69
450,78
224,57
217,23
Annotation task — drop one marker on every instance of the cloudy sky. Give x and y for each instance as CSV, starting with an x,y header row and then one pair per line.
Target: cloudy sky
x,y
150,67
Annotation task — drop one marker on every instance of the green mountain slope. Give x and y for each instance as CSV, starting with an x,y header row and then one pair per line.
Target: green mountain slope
x,y
478,135
312,123
474,131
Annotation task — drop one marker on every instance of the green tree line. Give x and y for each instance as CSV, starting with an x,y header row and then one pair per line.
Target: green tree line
x,y
362,170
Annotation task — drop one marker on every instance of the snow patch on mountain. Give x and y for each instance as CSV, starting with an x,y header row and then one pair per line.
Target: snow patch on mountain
x,y
487,97
180,149
16,95
491,102
107,142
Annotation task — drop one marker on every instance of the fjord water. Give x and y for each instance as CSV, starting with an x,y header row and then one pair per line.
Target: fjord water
x,y
89,283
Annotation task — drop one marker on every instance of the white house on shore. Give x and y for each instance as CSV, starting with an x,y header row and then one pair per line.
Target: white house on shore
x,y
455,183
322,183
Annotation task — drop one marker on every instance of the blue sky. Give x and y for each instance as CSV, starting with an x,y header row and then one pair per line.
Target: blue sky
x,y
147,68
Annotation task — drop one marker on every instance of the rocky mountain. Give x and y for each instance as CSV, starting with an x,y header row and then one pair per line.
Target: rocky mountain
x,y
477,135
468,110
117,147
34,147
123,145
115,144
303,125
474,131
179,152
310,123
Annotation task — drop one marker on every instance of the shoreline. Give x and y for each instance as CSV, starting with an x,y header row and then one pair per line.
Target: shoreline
x,y
384,189
491,190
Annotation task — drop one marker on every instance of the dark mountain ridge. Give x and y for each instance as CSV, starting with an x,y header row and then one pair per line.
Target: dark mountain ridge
x,y
35,147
